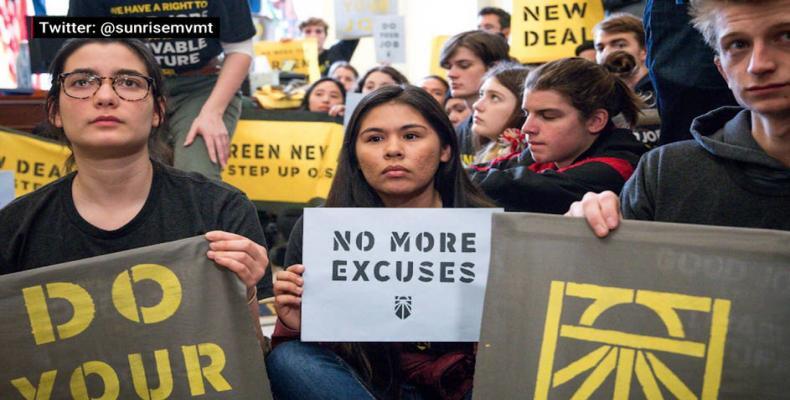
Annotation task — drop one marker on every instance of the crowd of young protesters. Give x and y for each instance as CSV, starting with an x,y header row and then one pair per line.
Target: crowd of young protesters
x,y
571,136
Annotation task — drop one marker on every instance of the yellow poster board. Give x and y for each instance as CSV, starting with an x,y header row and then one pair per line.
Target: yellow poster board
x,y
547,30
284,161
300,56
436,52
34,161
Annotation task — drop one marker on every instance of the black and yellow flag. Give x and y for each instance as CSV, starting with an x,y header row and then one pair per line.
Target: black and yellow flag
x,y
656,311
158,322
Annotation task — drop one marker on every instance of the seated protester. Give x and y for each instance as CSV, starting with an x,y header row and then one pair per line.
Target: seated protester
x,y
106,103
344,73
457,110
620,46
380,76
341,51
736,170
497,115
393,126
326,95
436,86
466,57
576,148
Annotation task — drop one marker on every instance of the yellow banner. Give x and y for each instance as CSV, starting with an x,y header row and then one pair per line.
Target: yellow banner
x,y
300,56
34,161
547,30
284,161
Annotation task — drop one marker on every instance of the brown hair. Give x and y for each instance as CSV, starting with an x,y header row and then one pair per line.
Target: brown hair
x,y
156,147
588,87
313,21
490,48
622,23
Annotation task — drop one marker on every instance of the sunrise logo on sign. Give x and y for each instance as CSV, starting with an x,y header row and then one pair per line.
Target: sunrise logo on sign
x,y
402,306
627,353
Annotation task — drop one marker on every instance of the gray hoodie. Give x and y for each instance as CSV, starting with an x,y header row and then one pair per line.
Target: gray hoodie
x,y
722,177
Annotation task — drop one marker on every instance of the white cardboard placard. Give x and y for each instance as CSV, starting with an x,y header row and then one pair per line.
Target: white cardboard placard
x,y
394,275
390,39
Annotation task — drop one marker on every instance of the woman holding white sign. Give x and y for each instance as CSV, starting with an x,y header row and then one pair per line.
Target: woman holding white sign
x,y
400,150
107,105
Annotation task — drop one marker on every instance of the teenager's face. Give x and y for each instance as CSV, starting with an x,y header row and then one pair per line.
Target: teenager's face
x,y
104,125
315,31
493,109
606,43
346,77
399,153
325,95
465,73
435,88
555,129
376,80
754,54
457,110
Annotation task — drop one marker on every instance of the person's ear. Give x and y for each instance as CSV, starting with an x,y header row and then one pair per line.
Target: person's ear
x,y
54,117
446,153
157,118
717,61
506,32
597,121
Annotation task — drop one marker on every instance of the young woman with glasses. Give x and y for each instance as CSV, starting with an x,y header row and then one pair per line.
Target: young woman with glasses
x,y
106,104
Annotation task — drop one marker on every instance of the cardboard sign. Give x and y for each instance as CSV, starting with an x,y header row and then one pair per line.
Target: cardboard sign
x,y
284,161
152,323
352,101
34,161
300,56
354,18
390,39
385,274
547,30
654,311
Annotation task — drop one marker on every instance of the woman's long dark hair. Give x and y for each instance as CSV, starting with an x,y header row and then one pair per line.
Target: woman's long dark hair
x,y
350,189
156,147
396,76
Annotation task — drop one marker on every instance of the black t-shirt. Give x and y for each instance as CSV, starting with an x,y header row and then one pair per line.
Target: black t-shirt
x,y
178,55
44,227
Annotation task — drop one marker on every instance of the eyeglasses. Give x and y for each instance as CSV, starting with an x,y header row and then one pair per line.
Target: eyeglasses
x,y
83,85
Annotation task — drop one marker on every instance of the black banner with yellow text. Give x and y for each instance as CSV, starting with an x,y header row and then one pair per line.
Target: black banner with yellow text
x,y
151,323
654,311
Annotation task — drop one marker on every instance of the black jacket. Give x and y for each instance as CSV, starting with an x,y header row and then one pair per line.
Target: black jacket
x,y
523,185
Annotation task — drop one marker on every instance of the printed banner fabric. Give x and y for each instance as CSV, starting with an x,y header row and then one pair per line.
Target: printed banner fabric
x,y
152,323
34,161
654,311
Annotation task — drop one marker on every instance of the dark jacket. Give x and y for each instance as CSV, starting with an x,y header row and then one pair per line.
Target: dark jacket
x,y
722,177
542,187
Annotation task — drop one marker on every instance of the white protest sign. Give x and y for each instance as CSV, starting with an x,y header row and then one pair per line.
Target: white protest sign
x,y
354,18
6,187
394,275
352,100
390,40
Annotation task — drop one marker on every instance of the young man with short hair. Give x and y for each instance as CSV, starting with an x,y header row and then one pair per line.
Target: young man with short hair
x,y
341,51
736,170
494,20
